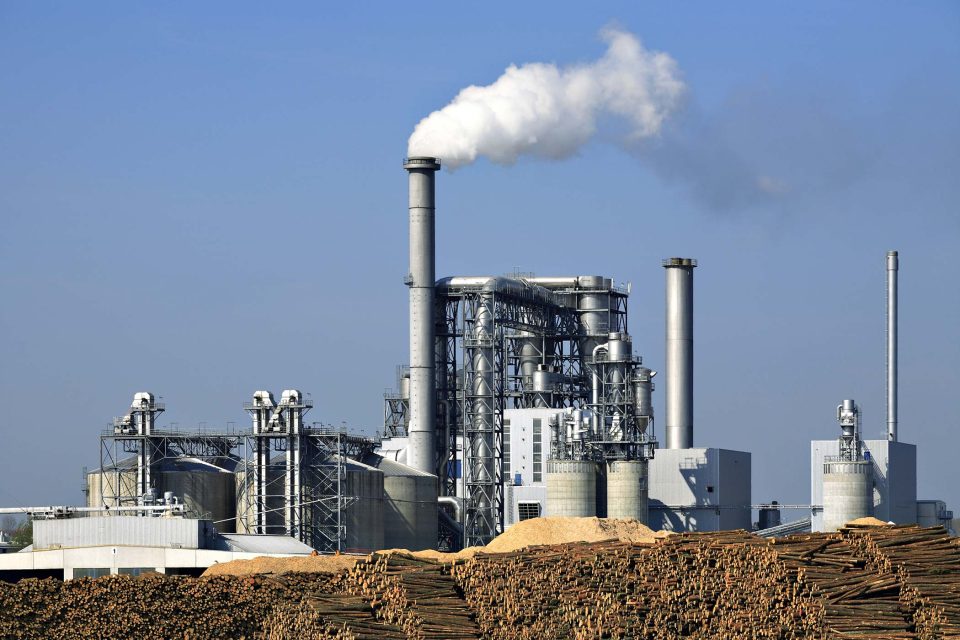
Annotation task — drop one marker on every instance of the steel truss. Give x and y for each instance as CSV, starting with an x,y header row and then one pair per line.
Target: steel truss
x,y
485,327
310,507
128,461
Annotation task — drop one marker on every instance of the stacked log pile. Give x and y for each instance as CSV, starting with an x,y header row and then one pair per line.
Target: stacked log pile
x,y
890,583
416,595
144,607
707,585
858,601
927,562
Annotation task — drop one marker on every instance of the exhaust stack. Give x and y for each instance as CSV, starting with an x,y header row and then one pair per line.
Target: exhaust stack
x,y
421,450
893,266
679,360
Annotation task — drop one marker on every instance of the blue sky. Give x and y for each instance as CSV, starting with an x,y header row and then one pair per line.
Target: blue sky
x,y
203,201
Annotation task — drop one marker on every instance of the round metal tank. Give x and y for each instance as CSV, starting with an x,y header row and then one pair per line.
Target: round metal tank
x,y
619,347
125,480
847,492
627,489
409,505
207,491
571,488
363,518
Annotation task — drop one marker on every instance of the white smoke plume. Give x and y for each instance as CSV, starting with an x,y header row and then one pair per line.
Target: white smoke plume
x,y
550,112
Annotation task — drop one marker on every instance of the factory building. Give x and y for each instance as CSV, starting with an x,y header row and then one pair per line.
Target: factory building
x,y
68,545
523,398
851,478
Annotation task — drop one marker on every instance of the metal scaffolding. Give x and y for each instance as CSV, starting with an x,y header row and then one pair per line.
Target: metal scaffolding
x,y
294,475
134,450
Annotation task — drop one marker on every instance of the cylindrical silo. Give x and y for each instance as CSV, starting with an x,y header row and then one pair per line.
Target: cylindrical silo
x,y
571,488
363,515
679,356
422,453
409,505
627,489
206,490
847,492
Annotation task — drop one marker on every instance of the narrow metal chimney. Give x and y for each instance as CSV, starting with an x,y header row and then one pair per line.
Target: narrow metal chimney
x,y
679,360
421,449
893,266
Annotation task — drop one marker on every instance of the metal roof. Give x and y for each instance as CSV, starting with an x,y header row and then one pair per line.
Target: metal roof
x,y
250,543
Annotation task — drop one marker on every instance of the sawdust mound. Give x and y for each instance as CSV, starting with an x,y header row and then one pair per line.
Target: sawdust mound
x,y
560,530
529,533
868,522
296,564
438,556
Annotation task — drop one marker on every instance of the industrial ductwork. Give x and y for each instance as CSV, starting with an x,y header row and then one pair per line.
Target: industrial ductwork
x,y
679,356
422,453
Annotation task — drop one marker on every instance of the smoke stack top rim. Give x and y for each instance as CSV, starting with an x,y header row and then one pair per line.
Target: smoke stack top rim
x,y
422,162
679,262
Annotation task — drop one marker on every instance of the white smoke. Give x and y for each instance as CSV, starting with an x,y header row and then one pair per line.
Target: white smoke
x,y
549,112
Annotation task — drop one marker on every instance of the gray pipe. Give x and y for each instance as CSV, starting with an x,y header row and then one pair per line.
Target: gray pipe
x,y
423,388
679,357
893,266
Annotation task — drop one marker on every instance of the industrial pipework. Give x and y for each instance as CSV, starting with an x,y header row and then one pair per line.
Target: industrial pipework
x,y
893,266
679,356
422,454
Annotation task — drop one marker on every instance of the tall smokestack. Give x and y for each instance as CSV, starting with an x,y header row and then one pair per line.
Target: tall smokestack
x,y
679,339
893,266
421,450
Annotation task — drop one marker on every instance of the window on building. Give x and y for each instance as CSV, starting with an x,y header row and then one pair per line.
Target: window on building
x,y
537,451
91,572
528,510
135,571
506,448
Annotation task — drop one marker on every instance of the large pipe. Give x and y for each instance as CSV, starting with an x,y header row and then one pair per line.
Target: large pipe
x,y
679,360
893,266
423,388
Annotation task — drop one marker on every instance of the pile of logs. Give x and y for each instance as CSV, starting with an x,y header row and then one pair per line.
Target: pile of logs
x,y
418,596
144,607
857,601
890,583
926,561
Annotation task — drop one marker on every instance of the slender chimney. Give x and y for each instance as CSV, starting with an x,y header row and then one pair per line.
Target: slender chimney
x,y
421,450
679,362
893,266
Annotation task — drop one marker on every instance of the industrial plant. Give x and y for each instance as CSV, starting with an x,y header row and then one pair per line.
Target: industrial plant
x,y
522,398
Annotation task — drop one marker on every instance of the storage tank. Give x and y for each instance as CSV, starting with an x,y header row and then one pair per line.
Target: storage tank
x,y
363,515
847,492
571,488
122,483
409,505
627,489
208,491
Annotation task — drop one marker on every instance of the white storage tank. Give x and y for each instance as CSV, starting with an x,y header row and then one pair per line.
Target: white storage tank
x,y
847,492
627,489
571,488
